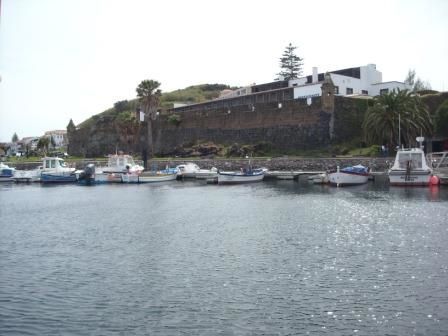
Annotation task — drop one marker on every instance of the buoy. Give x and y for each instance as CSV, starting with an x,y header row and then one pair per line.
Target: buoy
x,y
434,180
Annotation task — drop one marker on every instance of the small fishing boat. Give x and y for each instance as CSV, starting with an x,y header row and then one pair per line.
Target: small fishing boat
x,y
56,170
410,168
6,173
188,170
243,176
52,170
121,163
117,165
352,175
149,177
204,174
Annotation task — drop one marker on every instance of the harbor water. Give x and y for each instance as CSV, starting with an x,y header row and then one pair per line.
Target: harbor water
x,y
187,258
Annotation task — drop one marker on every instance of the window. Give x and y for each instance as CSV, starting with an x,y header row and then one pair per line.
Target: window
x,y
349,91
336,90
365,92
384,91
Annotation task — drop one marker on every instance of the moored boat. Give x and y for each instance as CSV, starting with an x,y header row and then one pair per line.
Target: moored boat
x,y
188,170
149,177
117,166
53,169
56,170
410,168
204,174
6,173
243,176
352,175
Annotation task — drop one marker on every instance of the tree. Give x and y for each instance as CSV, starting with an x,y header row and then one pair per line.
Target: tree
x,y
381,121
290,64
149,94
43,143
121,105
416,84
442,119
52,142
15,138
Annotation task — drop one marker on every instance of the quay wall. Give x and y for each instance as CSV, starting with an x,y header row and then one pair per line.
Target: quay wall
x,y
280,163
295,125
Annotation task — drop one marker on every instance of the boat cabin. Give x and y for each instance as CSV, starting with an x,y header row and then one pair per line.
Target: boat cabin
x,y
413,158
53,163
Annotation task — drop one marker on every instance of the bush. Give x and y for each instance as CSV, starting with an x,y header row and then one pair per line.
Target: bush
x,y
174,119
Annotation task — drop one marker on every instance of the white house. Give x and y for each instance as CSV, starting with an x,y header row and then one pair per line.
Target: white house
x,y
363,80
59,137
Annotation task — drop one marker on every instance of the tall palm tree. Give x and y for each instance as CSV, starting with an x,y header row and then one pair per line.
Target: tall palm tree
x,y
149,94
381,121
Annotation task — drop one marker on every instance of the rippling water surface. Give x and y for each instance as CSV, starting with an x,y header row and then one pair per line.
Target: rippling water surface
x,y
184,258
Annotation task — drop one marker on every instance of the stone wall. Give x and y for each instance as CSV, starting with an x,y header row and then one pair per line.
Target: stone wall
x,y
296,125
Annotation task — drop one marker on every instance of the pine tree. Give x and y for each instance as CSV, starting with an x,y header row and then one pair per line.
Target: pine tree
x,y
290,64
15,138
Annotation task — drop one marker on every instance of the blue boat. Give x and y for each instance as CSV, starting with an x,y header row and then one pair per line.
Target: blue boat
x,y
56,170
6,173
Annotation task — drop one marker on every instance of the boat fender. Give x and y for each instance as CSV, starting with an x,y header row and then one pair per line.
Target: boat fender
x,y
434,180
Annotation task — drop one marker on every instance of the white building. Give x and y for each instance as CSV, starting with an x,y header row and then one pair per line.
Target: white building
x,y
363,80
59,137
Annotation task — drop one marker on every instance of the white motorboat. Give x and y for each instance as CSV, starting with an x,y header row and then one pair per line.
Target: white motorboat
x,y
205,174
352,175
6,173
121,163
188,169
439,164
410,168
56,170
117,165
53,169
243,176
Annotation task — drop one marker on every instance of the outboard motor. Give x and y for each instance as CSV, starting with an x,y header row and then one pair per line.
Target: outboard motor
x,y
88,174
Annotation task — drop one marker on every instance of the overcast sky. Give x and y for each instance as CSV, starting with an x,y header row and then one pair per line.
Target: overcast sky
x,y
62,59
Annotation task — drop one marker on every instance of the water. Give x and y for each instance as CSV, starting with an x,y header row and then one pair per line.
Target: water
x,y
184,258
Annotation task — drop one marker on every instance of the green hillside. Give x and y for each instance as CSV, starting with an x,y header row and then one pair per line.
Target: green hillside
x,y
124,111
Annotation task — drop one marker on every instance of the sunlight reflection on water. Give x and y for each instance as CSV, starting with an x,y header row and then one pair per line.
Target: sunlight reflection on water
x,y
271,258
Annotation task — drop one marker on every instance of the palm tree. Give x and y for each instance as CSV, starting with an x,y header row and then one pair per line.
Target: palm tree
x,y
381,123
149,94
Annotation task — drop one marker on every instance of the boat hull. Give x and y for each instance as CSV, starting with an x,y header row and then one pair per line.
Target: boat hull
x,y
347,179
234,178
205,174
414,178
57,178
157,178
148,177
